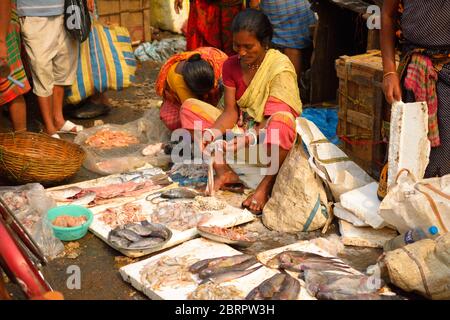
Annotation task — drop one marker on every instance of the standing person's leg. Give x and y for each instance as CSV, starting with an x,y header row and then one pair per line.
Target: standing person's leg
x,y
64,73
295,55
18,114
40,41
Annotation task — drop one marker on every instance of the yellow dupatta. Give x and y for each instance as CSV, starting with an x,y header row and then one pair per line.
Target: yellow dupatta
x,y
276,78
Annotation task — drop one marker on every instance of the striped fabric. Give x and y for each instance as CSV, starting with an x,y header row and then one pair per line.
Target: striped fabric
x,y
106,61
291,20
9,90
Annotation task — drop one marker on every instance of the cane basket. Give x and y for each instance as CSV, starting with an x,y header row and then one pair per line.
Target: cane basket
x,y
32,157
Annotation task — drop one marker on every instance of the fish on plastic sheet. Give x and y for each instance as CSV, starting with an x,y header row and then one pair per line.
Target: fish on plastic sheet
x,y
279,287
223,269
180,193
124,214
299,261
328,285
139,236
107,192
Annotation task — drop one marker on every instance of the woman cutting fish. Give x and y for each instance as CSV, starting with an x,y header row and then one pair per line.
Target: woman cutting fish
x,y
193,74
261,93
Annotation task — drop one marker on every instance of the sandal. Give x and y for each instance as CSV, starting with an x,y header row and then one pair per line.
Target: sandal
x,y
69,127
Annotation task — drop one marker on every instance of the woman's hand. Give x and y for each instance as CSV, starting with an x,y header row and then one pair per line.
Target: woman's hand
x,y
392,88
178,6
90,5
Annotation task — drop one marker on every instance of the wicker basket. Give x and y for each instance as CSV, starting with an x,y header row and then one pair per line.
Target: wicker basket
x,y
31,157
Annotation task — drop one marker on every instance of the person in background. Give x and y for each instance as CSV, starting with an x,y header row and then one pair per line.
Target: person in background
x,y
192,74
209,23
291,20
13,88
424,70
52,55
261,94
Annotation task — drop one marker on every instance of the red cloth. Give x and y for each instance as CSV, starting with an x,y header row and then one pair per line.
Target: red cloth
x,y
232,76
209,24
280,129
170,114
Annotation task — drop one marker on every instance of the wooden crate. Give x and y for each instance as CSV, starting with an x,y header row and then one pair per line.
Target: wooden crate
x,y
132,14
363,110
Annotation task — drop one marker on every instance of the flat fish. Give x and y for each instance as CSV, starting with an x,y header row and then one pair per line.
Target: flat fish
x,y
157,230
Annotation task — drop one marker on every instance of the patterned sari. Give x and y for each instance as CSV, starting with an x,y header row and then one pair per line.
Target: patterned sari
x,y
209,24
8,89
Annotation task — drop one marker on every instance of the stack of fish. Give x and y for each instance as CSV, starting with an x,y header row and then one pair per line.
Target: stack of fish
x,y
137,236
223,269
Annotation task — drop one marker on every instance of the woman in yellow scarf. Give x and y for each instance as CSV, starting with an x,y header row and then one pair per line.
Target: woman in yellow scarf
x,y
261,95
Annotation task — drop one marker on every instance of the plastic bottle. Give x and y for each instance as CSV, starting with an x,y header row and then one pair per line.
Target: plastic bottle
x,y
409,237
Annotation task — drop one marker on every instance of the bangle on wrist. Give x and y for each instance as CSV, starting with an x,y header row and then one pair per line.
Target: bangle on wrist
x,y
388,74
211,133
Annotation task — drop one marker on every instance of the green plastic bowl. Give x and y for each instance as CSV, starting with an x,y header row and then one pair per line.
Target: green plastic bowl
x,y
73,233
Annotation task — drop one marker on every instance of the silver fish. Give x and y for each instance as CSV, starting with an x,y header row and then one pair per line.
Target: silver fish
x,y
138,228
119,241
64,194
86,199
145,243
230,275
180,193
128,234
210,272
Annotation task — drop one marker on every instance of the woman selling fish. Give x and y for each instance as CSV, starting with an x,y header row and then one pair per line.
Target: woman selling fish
x,y
261,92
193,74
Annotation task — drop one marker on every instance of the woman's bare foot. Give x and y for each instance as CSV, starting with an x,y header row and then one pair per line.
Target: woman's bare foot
x,y
257,200
226,177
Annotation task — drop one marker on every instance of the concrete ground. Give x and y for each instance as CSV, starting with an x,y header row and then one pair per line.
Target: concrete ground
x,y
98,262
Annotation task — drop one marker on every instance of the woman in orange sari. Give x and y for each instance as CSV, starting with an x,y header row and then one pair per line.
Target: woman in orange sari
x,y
209,23
193,74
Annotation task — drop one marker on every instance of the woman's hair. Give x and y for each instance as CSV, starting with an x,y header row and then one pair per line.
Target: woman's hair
x,y
254,21
198,75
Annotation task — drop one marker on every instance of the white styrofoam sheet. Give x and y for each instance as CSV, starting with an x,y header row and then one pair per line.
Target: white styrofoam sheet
x,y
364,237
409,146
364,203
342,213
199,249
228,217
